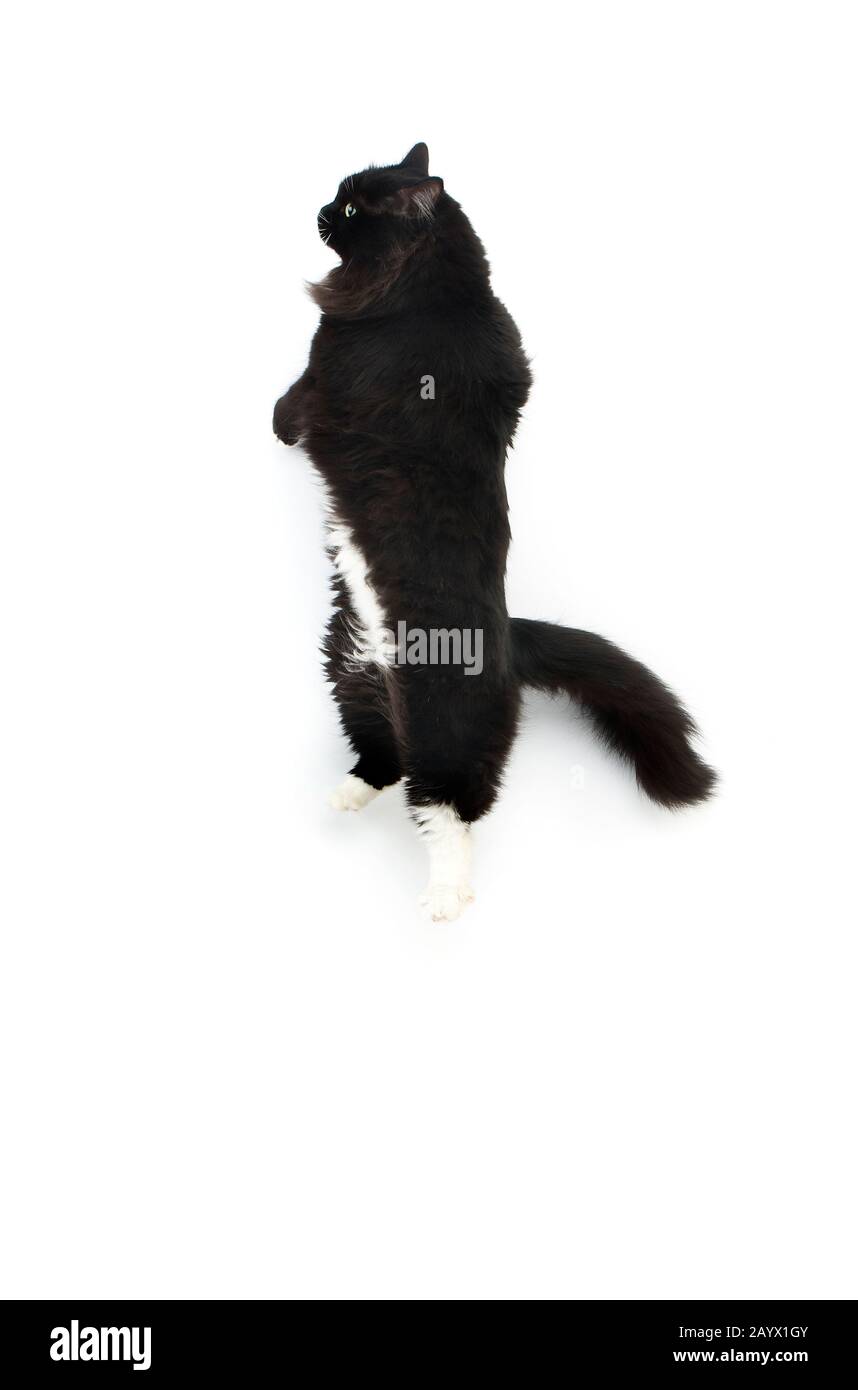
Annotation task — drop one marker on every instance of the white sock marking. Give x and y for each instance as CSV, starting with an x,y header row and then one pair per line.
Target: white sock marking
x,y
353,794
448,840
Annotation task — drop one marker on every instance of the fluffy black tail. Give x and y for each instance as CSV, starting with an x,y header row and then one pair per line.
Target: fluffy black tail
x,y
635,714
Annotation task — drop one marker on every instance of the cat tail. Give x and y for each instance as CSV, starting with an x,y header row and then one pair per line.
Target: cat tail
x,y
633,711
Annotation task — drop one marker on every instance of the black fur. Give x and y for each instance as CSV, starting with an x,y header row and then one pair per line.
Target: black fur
x,y
420,484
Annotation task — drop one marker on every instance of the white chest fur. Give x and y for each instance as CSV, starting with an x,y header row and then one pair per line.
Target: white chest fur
x,y
373,641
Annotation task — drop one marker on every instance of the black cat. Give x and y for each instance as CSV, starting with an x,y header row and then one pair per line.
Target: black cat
x,y
408,405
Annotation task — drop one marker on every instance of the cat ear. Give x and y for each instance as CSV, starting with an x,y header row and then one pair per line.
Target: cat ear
x,y
417,199
417,159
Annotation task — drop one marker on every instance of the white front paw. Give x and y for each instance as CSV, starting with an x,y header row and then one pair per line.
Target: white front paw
x,y
446,901
352,794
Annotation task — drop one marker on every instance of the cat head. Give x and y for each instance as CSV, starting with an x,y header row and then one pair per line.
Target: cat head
x,y
379,211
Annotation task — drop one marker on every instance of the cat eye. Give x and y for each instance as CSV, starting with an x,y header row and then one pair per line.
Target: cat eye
x,y
349,209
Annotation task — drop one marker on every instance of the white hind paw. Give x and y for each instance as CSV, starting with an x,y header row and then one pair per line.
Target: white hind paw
x,y
352,794
446,901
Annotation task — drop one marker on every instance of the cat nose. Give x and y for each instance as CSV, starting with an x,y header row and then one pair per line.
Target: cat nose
x,y
325,215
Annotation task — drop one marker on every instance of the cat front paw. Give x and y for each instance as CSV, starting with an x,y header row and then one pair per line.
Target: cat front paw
x,y
444,902
285,424
352,794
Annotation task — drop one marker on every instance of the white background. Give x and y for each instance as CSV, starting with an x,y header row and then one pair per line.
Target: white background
x,y
235,1060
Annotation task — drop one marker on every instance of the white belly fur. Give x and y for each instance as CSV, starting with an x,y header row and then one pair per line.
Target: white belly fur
x,y
372,636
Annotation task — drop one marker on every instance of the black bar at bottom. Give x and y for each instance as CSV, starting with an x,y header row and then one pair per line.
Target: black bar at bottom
x,y
194,1342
